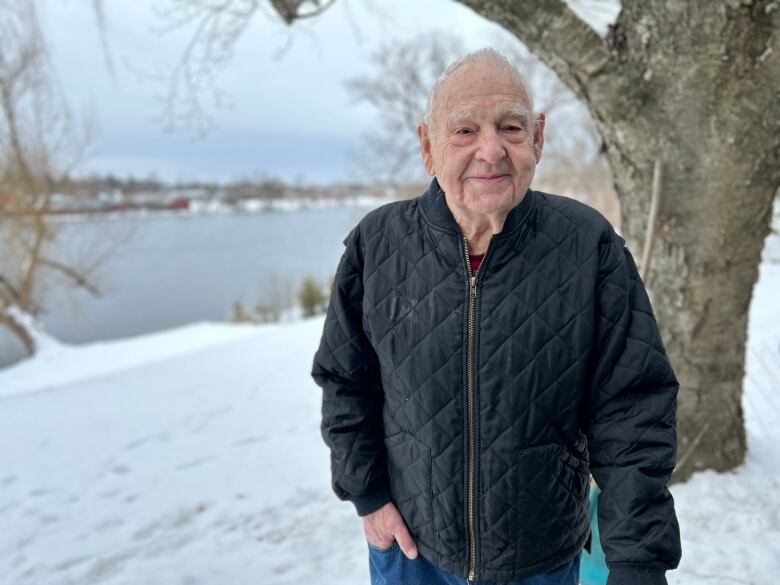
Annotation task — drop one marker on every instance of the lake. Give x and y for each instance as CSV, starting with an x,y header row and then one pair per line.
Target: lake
x,y
161,271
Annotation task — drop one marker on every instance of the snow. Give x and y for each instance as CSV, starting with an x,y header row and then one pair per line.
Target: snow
x,y
58,364
172,460
193,456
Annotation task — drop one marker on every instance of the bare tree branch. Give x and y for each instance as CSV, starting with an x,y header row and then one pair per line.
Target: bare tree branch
x,y
218,26
554,33
398,88
38,147
100,17
19,330
78,279
10,292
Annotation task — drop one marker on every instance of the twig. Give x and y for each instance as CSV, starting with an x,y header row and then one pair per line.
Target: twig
x,y
12,291
79,279
694,444
655,202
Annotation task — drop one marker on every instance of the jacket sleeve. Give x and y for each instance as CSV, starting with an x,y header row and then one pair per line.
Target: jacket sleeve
x,y
631,427
347,369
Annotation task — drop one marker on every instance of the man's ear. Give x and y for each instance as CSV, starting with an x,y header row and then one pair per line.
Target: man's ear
x,y
539,137
424,136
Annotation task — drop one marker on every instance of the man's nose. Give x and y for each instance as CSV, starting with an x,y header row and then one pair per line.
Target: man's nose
x,y
490,149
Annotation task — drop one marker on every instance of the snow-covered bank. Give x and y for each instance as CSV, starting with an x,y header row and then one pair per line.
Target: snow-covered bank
x,y
194,457
202,467
59,364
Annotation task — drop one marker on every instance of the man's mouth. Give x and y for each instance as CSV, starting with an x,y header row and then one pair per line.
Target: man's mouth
x,y
489,178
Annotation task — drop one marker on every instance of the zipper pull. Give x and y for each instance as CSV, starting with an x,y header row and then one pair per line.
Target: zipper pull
x,y
473,286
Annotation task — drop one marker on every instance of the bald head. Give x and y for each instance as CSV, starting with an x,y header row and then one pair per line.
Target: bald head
x,y
488,60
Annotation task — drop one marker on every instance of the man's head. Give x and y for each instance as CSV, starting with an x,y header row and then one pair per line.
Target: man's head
x,y
480,137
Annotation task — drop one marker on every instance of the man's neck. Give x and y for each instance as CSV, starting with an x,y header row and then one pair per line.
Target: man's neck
x,y
478,230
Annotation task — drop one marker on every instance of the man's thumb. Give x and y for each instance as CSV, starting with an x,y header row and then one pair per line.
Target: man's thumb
x,y
406,542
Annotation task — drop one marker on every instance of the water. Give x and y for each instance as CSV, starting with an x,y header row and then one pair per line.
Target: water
x,y
168,270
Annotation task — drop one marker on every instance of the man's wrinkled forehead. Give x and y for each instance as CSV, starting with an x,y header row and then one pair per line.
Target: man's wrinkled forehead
x,y
468,85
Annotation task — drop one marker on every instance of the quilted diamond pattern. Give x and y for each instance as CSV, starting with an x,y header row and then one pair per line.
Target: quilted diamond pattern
x,y
571,376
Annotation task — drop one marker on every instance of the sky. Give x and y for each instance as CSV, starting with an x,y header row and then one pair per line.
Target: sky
x,y
290,114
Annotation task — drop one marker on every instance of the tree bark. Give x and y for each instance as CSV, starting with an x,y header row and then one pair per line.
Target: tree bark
x,y
695,84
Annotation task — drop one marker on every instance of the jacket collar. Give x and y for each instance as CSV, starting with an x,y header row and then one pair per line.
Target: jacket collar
x,y
437,211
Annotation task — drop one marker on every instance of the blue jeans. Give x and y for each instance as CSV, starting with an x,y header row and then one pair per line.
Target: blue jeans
x,y
390,566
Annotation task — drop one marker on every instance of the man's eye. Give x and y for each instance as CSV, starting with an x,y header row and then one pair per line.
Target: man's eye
x,y
463,131
511,128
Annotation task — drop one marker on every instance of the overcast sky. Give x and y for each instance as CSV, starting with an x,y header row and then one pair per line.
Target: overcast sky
x,y
291,115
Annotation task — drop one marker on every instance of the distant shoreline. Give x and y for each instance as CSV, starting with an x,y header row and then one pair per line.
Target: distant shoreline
x,y
200,208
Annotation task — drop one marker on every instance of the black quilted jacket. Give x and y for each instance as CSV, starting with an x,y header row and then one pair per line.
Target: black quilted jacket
x,y
479,403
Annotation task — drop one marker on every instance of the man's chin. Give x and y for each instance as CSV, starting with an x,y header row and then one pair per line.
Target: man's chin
x,y
494,193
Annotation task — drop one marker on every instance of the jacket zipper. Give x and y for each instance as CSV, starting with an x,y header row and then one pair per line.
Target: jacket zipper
x,y
471,412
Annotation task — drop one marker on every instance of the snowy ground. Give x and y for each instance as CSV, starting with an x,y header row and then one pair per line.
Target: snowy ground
x,y
202,464
194,457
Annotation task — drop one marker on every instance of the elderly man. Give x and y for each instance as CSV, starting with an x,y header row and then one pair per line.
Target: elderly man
x,y
486,347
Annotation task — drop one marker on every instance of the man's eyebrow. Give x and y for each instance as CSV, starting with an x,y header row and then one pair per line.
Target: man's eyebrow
x,y
456,118
520,112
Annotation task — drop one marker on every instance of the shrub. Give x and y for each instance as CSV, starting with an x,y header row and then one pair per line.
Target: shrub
x,y
311,296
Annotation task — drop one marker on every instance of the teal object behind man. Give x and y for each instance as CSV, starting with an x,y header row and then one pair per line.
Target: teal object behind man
x,y
593,566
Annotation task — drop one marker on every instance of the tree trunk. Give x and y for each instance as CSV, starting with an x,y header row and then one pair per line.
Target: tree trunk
x,y
18,329
28,329
696,85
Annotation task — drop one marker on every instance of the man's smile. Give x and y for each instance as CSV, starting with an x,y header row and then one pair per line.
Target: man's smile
x,y
489,179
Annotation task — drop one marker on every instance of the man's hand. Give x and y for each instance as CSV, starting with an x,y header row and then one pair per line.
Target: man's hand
x,y
384,526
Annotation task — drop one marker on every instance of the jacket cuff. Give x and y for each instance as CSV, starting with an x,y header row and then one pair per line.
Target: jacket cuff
x,y
373,499
635,575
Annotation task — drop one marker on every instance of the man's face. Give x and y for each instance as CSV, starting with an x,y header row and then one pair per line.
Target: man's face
x,y
483,148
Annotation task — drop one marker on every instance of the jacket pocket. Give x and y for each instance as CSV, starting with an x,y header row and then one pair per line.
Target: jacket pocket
x,y
552,503
409,468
